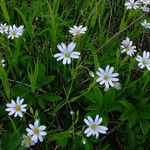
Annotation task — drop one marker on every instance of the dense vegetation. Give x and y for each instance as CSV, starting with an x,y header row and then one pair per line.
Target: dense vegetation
x,y
62,96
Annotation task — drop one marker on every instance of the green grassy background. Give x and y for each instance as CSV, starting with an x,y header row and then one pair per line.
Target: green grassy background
x,y
52,90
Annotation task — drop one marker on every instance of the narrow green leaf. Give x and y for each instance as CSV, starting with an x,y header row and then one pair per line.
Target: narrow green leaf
x,y
127,105
133,120
4,10
144,126
4,79
52,97
22,16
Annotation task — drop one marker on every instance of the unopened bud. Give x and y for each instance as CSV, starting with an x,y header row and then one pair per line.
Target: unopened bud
x,y
71,112
84,141
91,74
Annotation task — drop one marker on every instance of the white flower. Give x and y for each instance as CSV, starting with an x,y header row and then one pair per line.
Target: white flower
x,y
127,47
16,108
94,127
36,132
107,77
15,32
67,53
27,141
145,2
145,24
3,62
3,28
144,61
77,30
132,4
145,8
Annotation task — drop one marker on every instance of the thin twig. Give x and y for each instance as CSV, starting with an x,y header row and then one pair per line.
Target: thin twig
x,y
11,80
118,33
111,131
93,10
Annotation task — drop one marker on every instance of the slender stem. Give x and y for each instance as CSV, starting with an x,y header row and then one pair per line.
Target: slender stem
x,y
118,33
11,80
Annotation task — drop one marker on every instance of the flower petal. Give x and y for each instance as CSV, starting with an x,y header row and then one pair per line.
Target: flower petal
x,y
42,127
90,119
36,123
71,47
87,130
43,133
87,122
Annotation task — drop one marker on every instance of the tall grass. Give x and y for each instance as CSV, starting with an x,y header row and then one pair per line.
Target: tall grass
x,y
51,90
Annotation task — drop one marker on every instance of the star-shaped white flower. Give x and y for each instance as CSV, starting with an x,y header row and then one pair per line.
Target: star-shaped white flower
x,y
67,53
27,141
144,61
145,2
94,127
107,76
16,108
145,8
132,4
145,24
15,32
77,30
36,131
3,62
4,28
127,47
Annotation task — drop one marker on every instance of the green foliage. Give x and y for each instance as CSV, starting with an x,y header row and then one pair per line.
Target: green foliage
x,y
61,138
137,114
4,79
62,96
100,103
4,10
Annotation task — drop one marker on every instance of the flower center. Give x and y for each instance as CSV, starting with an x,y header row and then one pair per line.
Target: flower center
x,y
94,126
17,108
27,139
3,29
13,33
144,62
67,55
128,48
106,77
36,131
78,31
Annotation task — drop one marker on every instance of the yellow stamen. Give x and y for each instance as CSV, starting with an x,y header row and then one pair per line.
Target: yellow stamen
x,y
94,126
128,48
17,108
144,62
27,139
78,31
106,77
3,29
67,55
13,33
36,131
